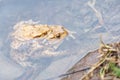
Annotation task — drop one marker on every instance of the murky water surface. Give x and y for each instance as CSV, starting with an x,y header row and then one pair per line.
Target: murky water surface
x,y
87,18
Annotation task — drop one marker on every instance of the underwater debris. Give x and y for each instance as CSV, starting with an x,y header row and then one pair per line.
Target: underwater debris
x,y
98,14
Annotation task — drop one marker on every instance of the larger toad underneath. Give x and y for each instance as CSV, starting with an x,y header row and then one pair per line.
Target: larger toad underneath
x,y
34,45
33,41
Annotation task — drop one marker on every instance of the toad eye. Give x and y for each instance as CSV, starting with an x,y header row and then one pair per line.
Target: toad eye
x,y
58,35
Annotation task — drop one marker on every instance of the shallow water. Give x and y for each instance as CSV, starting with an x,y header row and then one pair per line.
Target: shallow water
x,y
76,15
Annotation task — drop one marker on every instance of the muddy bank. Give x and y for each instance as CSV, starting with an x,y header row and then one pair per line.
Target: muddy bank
x,y
87,62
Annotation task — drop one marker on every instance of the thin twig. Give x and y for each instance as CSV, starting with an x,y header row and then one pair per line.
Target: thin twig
x,y
66,74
